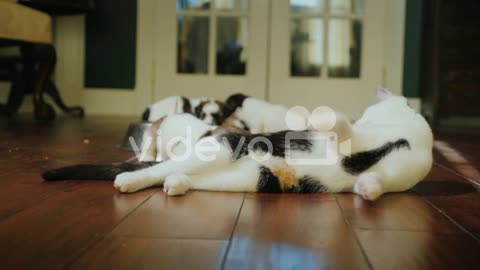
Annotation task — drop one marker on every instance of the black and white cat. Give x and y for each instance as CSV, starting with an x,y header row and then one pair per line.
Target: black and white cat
x,y
206,109
391,149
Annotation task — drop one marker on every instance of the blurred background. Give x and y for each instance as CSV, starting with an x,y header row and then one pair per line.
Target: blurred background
x,y
115,57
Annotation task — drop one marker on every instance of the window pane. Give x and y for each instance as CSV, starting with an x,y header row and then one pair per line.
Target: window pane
x,y
306,47
192,45
347,7
193,4
344,48
238,5
232,44
306,6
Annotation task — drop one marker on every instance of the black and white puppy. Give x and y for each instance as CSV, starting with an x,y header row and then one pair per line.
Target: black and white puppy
x,y
257,115
209,110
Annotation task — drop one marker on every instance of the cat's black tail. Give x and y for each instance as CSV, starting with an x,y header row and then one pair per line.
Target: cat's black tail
x,y
362,161
94,171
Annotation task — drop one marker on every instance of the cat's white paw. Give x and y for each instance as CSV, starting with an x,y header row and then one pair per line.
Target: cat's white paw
x,y
126,182
368,186
176,184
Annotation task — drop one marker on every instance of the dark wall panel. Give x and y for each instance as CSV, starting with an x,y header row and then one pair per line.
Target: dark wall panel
x,y
110,44
413,48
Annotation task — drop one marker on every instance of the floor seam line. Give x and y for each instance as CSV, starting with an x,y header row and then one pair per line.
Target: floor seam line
x,y
350,227
473,181
227,250
48,198
169,238
103,236
434,206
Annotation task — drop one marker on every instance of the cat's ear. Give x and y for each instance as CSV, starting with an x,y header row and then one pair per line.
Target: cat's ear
x,y
383,93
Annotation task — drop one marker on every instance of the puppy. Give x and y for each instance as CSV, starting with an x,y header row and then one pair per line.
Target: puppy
x,y
258,116
209,110
177,133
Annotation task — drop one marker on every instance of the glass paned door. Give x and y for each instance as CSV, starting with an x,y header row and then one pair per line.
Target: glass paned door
x,y
210,47
292,52
326,38
331,55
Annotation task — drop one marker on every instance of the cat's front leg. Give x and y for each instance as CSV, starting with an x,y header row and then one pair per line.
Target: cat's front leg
x,y
128,182
205,159
177,184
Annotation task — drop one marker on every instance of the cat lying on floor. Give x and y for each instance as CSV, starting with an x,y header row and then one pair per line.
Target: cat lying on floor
x,y
391,151
170,135
206,109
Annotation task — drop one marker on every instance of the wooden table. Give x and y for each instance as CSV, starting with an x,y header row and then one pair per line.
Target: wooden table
x,y
32,31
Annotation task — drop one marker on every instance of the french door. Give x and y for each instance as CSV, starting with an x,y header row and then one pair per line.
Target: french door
x,y
292,52
326,53
210,47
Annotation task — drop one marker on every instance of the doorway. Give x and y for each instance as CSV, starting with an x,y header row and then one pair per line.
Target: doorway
x,y
292,52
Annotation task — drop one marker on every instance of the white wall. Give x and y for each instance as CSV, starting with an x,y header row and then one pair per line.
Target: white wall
x,y
394,44
70,39
69,76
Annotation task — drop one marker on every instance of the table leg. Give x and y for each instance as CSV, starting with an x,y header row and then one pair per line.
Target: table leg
x,y
44,57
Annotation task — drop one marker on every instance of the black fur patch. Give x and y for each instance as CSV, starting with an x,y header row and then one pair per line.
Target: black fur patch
x,y
94,171
360,162
218,118
146,114
239,143
267,182
232,103
245,126
308,184
198,111
187,107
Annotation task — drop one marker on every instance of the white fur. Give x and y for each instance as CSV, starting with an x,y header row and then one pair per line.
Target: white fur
x,y
176,184
164,107
174,105
261,116
178,133
210,108
386,121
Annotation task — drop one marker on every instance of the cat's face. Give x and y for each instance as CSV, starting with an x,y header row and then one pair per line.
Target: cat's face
x,y
210,111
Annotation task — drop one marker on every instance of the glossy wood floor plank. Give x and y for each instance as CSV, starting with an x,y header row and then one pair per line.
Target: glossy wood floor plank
x,y
461,155
17,196
51,234
418,250
296,233
88,224
406,212
455,196
147,253
198,214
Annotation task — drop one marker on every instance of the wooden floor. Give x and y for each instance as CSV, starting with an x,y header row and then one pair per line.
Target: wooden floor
x,y
90,225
